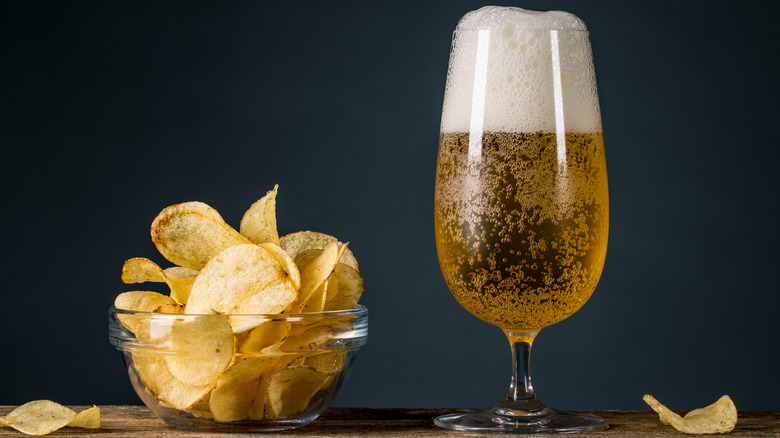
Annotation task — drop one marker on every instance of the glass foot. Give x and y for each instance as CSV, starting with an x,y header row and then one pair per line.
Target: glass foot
x,y
500,419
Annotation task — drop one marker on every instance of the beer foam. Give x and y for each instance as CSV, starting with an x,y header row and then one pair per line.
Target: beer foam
x,y
515,70
499,17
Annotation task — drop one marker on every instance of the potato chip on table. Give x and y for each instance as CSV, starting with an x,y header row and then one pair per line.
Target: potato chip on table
x,y
42,417
719,417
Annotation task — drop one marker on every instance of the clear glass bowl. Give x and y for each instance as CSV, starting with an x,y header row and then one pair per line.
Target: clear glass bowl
x,y
238,372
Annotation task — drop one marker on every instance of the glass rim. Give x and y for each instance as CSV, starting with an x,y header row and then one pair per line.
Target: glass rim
x,y
472,30
357,311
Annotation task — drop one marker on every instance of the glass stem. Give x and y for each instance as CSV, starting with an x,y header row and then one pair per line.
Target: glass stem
x,y
521,397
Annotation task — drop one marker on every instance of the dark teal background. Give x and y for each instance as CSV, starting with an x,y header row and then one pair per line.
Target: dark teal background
x,y
113,110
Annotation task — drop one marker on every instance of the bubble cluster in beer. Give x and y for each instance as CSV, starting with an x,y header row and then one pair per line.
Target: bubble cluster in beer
x,y
521,207
521,239
519,90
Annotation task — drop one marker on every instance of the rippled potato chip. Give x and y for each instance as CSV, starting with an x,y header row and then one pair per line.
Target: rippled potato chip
x,y
192,233
244,279
87,419
39,417
719,417
42,417
259,222
298,242
291,389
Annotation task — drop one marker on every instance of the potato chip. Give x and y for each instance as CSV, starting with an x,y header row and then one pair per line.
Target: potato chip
x,y
327,363
244,279
259,222
332,290
303,258
141,270
178,278
158,380
719,417
39,417
192,233
298,242
349,289
316,302
175,308
139,301
257,410
283,360
346,285
265,335
290,390
287,262
203,348
87,419
180,281
311,339
201,409
232,397
315,274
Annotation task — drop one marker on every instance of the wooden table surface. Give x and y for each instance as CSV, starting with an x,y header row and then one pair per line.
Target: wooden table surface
x,y
137,421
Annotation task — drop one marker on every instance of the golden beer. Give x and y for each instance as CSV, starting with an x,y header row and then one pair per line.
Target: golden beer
x,y
521,224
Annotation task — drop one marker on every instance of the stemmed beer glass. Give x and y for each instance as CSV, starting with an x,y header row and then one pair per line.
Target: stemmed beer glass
x,y
521,205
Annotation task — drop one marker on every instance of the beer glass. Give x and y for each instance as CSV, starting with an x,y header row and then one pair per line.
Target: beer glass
x,y
521,206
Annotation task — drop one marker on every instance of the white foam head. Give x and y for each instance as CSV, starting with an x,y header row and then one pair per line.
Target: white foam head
x,y
515,70
500,17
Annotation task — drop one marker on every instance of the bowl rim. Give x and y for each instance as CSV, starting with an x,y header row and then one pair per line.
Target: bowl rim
x,y
359,310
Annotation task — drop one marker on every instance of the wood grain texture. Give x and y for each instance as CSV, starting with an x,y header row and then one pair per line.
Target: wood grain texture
x,y
137,421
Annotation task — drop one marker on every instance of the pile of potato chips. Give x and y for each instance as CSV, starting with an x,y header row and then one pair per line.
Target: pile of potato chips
x,y
719,417
42,417
231,365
